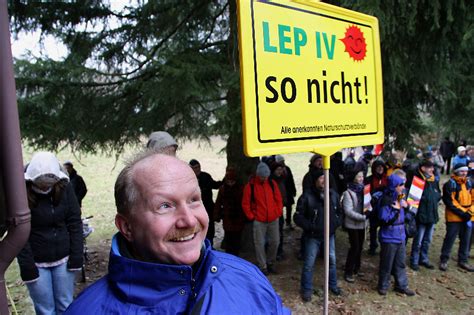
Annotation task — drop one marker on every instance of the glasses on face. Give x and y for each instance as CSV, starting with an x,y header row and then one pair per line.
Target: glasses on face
x,y
400,185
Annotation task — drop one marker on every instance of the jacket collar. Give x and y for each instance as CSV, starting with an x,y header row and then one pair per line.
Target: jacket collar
x,y
149,284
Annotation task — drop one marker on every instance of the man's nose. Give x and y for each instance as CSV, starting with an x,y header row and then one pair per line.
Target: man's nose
x,y
186,217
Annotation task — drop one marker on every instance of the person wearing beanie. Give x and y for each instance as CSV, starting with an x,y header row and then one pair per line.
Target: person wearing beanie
x,y
392,236
316,162
459,214
426,216
310,217
162,142
461,157
263,205
206,184
228,208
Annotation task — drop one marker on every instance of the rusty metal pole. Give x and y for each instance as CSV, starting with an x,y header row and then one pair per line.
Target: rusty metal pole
x,y
11,160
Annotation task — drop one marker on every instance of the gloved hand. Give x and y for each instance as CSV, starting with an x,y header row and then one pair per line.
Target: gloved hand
x,y
466,216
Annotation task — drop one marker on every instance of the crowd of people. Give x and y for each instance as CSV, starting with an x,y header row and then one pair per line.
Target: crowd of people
x,y
163,254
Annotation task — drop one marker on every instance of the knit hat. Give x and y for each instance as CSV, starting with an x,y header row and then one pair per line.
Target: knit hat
x,y
262,170
46,167
428,155
68,162
426,163
316,173
159,140
279,158
461,148
275,165
459,167
194,162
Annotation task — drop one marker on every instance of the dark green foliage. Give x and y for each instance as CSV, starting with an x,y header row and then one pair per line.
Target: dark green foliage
x,y
159,65
427,64
174,65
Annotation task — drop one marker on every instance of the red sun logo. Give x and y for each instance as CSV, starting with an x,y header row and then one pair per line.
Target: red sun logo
x,y
355,43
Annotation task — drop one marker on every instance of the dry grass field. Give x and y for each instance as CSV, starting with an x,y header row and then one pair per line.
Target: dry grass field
x,y
437,293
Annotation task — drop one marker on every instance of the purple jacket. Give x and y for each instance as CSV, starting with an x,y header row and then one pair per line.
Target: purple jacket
x,y
392,220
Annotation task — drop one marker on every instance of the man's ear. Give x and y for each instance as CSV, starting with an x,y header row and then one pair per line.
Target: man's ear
x,y
123,224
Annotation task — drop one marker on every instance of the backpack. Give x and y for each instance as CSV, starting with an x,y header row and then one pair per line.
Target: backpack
x,y
456,187
252,193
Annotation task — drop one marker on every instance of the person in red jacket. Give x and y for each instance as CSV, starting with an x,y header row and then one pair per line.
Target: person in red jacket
x,y
262,204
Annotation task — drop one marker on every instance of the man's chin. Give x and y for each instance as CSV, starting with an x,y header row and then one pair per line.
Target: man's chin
x,y
187,253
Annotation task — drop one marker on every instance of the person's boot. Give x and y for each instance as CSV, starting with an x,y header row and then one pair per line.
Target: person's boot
x,y
466,266
405,291
443,266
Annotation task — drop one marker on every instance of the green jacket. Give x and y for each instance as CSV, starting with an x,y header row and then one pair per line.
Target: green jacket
x,y
428,208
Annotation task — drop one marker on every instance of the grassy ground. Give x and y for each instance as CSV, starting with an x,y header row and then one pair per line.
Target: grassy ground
x,y
437,293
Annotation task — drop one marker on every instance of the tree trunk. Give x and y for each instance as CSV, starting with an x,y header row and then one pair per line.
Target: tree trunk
x,y
234,149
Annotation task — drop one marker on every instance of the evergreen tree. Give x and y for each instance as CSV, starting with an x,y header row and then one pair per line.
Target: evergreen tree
x,y
173,65
427,64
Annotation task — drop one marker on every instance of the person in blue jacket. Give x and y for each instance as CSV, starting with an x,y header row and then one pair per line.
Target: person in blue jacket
x,y
392,236
160,262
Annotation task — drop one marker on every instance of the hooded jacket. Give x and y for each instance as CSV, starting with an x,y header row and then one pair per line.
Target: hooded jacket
x,y
56,232
220,284
261,201
458,196
377,182
392,220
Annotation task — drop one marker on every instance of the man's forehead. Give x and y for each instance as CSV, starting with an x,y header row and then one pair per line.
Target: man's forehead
x,y
162,167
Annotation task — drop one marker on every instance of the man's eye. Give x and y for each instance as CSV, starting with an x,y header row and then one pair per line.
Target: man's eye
x,y
164,207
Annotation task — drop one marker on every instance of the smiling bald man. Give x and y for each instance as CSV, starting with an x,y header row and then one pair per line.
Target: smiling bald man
x,y
160,262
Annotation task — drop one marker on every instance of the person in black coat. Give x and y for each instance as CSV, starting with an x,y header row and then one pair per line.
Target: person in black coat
x,y
207,184
55,246
447,150
310,217
290,187
337,170
77,182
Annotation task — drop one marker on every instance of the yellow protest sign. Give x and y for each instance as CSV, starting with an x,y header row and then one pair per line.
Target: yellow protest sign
x,y
311,77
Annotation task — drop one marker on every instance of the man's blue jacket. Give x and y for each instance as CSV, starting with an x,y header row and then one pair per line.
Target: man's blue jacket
x,y
223,284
